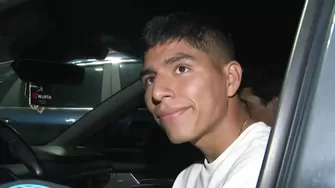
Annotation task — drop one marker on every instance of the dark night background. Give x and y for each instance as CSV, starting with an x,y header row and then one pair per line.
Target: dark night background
x,y
263,31
62,30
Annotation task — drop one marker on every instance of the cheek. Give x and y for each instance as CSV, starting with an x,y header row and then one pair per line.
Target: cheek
x,y
205,95
193,89
148,99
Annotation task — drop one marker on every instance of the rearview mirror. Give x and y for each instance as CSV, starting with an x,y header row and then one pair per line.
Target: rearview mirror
x,y
43,72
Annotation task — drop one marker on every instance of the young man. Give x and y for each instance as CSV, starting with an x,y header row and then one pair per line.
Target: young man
x,y
260,93
191,81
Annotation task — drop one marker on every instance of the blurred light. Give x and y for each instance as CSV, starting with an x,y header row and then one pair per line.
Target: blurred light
x,y
112,61
71,120
99,69
28,186
113,57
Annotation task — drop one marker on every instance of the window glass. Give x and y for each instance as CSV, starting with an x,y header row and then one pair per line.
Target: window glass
x,y
87,94
129,73
7,79
70,102
140,131
132,131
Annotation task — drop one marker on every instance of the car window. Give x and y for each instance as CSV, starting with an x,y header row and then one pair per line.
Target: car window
x,y
68,95
87,94
7,79
102,79
132,131
138,131
128,73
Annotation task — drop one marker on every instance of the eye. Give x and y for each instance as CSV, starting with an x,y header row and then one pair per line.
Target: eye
x,y
181,69
149,81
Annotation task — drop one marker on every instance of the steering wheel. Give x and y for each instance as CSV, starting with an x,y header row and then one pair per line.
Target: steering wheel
x,y
20,149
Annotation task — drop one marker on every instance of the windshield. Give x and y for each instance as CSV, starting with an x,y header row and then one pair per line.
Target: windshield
x,y
103,78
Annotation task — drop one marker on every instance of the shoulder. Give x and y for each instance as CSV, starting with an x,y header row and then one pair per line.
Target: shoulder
x,y
248,165
188,175
257,134
255,144
246,169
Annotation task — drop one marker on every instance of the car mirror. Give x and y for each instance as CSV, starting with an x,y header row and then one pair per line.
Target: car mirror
x,y
43,72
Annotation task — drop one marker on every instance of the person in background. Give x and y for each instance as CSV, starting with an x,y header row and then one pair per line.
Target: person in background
x,y
260,92
191,79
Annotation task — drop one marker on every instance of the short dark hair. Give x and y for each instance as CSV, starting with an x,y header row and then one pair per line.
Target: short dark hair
x,y
267,91
198,31
266,83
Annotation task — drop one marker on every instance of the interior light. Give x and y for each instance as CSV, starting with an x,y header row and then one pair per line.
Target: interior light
x,y
111,61
99,69
29,186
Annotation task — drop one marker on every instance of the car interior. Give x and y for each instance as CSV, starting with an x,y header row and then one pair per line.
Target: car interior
x,y
110,140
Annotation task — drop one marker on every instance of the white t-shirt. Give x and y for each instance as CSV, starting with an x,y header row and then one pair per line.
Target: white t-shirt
x,y
237,167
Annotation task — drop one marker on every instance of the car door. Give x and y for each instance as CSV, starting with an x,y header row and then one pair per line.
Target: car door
x,y
301,153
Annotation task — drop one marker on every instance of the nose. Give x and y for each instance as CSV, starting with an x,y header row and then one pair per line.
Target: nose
x,y
162,89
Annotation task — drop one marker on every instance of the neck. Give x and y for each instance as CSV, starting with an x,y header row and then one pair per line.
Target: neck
x,y
225,132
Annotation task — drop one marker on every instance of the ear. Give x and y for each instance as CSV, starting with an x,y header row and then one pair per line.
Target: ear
x,y
233,71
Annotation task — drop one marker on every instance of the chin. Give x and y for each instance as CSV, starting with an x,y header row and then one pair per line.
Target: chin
x,y
179,139
178,133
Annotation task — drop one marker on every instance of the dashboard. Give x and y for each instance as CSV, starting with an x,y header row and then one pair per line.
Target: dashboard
x,y
84,168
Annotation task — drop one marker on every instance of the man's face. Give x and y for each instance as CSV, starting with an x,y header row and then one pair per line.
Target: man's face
x,y
259,111
185,91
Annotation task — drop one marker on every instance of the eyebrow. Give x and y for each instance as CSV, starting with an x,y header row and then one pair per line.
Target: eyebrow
x,y
145,72
175,58
178,57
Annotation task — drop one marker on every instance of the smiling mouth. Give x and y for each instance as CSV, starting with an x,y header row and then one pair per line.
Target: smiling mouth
x,y
173,115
